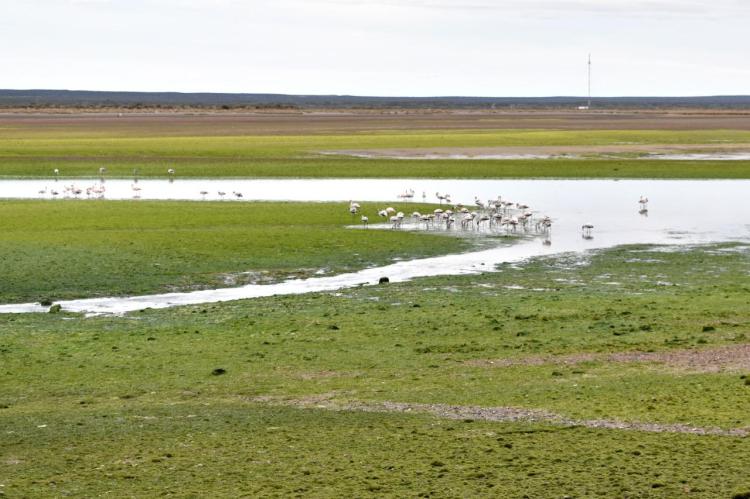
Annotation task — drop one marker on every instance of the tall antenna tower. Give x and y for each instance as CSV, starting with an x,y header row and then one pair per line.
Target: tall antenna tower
x,y
589,105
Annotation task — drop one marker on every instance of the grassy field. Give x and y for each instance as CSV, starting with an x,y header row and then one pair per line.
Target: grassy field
x,y
617,373
55,251
25,154
300,395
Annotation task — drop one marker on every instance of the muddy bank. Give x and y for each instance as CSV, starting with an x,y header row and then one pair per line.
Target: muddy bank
x,y
543,152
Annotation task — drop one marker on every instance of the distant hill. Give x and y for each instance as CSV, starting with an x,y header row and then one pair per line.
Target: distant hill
x,y
89,99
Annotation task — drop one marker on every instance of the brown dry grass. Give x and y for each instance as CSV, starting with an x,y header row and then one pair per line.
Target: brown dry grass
x,y
321,121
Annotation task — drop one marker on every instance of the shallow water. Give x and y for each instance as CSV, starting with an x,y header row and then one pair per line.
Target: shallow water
x,y
502,156
680,212
714,156
593,153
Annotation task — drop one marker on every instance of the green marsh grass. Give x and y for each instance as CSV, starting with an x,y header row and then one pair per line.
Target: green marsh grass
x,y
129,405
22,154
67,248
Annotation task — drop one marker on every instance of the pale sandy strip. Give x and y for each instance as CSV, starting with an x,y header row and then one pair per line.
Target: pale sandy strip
x,y
501,414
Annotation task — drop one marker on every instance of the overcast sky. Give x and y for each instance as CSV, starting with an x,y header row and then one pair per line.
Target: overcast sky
x,y
379,47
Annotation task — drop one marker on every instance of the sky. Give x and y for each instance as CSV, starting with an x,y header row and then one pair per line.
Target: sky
x,y
379,47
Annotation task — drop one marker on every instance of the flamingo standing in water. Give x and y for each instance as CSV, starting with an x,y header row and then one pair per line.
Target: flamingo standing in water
x,y
643,202
443,197
586,230
407,194
221,194
365,221
170,172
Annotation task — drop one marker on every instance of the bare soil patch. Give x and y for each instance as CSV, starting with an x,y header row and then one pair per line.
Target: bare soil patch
x,y
499,414
706,360
188,123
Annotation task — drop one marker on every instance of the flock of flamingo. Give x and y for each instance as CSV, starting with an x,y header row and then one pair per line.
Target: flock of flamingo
x,y
98,190
493,215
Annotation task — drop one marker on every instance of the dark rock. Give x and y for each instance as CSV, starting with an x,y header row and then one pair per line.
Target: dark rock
x,y
384,280
54,309
219,371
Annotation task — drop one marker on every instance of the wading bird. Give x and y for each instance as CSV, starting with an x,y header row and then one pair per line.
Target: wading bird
x,y
408,194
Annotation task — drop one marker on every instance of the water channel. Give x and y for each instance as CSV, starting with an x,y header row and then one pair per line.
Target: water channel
x,y
680,212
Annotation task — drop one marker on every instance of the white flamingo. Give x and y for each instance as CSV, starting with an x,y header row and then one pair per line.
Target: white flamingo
x,y
643,202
